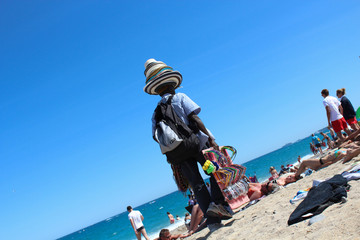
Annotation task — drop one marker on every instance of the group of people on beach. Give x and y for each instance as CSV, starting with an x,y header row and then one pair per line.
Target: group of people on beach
x,y
176,117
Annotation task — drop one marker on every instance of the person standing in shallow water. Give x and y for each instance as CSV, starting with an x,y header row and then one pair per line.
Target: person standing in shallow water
x,y
136,219
348,110
163,80
333,113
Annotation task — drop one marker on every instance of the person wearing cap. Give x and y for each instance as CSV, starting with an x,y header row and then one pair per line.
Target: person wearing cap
x,y
333,113
162,80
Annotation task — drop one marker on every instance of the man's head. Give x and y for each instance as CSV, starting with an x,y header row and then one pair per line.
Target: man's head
x,y
129,208
325,93
164,234
312,135
166,88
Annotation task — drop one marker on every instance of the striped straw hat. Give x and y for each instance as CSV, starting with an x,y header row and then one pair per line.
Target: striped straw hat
x,y
159,74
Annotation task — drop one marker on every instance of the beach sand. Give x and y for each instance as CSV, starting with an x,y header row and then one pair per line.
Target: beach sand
x,y
268,218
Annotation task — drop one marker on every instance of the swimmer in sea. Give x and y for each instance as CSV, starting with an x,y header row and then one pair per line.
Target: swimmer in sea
x,y
171,218
346,153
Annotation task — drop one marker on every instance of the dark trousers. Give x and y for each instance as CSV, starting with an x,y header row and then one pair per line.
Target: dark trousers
x,y
191,172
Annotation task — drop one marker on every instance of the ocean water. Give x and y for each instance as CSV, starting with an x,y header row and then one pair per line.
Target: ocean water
x,y
118,227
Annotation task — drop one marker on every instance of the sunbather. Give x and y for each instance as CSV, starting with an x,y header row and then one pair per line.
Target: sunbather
x,y
257,190
166,235
346,153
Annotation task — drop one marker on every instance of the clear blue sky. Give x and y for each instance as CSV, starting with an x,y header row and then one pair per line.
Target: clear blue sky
x,y
75,136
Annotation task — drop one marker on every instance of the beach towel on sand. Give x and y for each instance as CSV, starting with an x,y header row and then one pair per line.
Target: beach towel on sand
x,y
319,198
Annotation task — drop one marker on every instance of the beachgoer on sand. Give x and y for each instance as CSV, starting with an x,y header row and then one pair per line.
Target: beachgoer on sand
x,y
165,235
332,134
257,190
335,119
317,142
327,138
348,110
163,80
136,219
274,173
313,149
283,170
346,153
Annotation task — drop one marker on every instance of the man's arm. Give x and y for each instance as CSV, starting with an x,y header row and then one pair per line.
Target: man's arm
x,y
179,236
328,115
142,217
341,110
132,224
195,118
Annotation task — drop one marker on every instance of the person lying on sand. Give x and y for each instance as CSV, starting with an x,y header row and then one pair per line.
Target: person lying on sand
x,y
354,136
257,190
347,152
165,235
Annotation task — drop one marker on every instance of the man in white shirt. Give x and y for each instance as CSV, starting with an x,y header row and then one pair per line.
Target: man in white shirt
x,y
335,119
136,219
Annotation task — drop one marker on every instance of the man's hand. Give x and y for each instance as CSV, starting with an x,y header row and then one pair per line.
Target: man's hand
x,y
213,144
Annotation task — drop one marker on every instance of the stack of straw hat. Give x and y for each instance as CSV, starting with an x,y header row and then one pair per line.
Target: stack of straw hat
x,y
158,74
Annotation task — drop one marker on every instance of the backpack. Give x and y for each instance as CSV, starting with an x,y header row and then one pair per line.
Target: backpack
x,y
176,139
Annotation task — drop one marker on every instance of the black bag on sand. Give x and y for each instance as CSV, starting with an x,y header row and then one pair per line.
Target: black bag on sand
x,y
177,141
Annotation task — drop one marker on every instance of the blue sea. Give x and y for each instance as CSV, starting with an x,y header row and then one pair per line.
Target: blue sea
x,y
118,227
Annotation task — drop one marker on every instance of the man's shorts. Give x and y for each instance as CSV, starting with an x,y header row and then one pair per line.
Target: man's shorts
x,y
351,121
140,228
318,145
339,125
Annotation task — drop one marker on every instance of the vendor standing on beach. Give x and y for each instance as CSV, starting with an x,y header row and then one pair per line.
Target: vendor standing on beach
x,y
163,80
335,119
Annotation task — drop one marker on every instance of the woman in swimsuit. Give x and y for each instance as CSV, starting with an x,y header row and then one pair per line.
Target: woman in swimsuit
x,y
171,218
347,153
